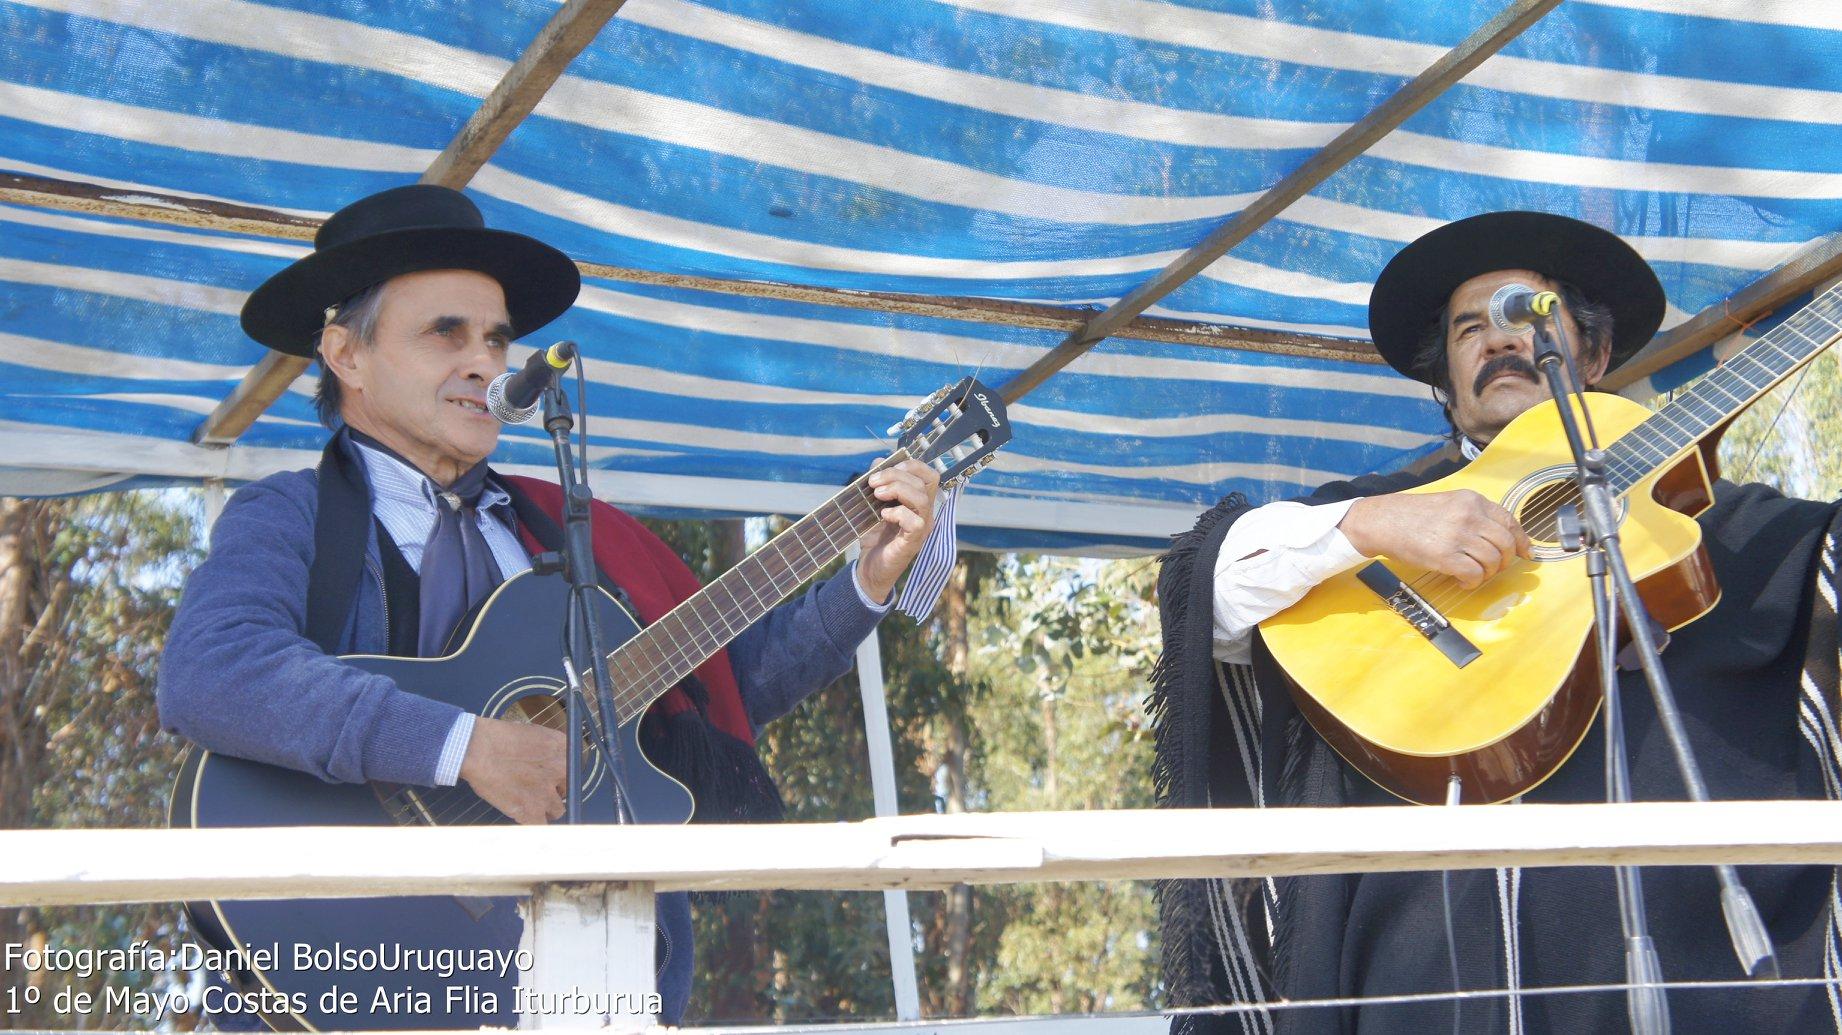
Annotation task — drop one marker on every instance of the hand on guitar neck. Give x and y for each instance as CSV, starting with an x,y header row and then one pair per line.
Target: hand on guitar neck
x,y
1457,533
517,768
905,497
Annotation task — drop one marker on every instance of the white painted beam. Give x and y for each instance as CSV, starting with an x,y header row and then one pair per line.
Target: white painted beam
x,y
59,867
592,947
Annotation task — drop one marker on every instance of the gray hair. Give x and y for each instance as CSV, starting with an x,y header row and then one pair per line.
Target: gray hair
x,y
358,315
1429,363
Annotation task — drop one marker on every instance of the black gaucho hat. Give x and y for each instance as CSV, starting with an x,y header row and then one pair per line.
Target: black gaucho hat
x,y
407,230
1416,284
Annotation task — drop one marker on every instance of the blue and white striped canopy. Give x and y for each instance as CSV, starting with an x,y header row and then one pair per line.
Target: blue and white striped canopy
x,y
1052,151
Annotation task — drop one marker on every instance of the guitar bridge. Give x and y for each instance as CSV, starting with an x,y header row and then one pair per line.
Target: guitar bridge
x,y
1418,612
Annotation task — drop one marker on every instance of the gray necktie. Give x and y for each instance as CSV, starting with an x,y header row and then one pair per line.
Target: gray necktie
x,y
458,570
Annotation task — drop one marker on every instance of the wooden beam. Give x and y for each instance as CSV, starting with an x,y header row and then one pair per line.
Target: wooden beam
x,y
92,199
250,399
931,852
1813,265
1359,137
193,213
573,27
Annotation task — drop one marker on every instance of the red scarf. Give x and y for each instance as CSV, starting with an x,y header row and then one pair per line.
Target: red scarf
x,y
655,580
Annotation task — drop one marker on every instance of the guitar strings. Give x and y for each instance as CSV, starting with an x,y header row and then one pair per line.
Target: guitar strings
x,y
468,809
851,525
634,692
1436,586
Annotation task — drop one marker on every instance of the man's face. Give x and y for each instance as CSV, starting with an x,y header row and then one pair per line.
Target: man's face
x,y
1494,378
420,388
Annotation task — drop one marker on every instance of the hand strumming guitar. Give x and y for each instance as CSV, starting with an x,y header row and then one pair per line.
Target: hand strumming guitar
x,y
517,768
1458,533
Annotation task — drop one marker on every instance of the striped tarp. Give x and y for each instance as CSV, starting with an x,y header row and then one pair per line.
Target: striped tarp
x,y
1049,151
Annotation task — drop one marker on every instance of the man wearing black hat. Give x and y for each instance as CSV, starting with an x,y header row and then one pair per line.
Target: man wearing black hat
x,y
1749,676
411,303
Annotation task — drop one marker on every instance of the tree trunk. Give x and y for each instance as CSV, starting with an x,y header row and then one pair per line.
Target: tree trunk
x,y
22,741
959,897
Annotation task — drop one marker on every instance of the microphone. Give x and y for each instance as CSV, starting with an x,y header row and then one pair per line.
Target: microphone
x,y
1515,306
512,398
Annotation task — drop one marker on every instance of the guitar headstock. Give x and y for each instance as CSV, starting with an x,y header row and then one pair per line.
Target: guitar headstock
x,y
957,430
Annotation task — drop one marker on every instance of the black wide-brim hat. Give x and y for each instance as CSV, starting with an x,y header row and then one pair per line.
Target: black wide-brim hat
x,y
407,230
1417,283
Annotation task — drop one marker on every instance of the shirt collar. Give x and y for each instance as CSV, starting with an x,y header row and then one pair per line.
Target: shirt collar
x,y
393,479
1470,449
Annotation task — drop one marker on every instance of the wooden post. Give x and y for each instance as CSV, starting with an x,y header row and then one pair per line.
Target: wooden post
x,y
591,951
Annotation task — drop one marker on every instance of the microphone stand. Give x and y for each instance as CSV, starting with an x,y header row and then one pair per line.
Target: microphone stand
x,y
1647,1005
582,630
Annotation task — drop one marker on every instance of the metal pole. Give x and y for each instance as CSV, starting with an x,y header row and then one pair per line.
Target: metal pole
x,y
877,735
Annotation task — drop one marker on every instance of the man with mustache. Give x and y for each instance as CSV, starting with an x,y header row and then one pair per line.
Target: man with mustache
x,y
1754,679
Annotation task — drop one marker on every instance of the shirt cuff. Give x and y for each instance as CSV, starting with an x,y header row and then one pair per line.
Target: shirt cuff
x,y
865,597
1270,558
454,750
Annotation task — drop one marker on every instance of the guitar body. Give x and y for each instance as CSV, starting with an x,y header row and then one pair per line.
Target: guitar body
x,y
1406,714
509,666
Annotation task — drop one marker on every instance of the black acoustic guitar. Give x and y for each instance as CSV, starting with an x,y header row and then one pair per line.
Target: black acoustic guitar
x,y
501,670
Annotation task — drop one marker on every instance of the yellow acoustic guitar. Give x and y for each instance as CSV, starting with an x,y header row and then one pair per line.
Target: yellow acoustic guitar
x,y
1415,680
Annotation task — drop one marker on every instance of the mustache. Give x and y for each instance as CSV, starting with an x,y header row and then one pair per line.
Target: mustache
x,y
1508,361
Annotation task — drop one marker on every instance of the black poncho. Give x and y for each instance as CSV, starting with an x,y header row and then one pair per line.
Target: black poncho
x,y
1756,682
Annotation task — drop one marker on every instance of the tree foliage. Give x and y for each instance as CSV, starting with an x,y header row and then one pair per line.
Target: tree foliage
x,y
1792,438
1024,690
87,589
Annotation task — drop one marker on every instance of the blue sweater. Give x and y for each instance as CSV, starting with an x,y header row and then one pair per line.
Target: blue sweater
x,y
240,677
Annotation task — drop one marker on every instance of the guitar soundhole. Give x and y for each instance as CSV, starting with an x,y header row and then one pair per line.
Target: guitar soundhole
x,y
1540,513
536,700
1539,502
542,705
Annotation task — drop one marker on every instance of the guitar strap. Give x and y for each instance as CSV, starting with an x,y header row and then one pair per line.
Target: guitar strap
x,y
338,544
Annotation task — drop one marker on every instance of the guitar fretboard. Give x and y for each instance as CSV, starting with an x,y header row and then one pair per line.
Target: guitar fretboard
x,y
1724,391
666,651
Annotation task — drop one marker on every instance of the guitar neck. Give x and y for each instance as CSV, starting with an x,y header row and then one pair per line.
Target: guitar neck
x,y
666,651
1731,387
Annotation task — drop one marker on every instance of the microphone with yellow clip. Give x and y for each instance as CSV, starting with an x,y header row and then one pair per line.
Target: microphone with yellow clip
x,y
513,397
1515,306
